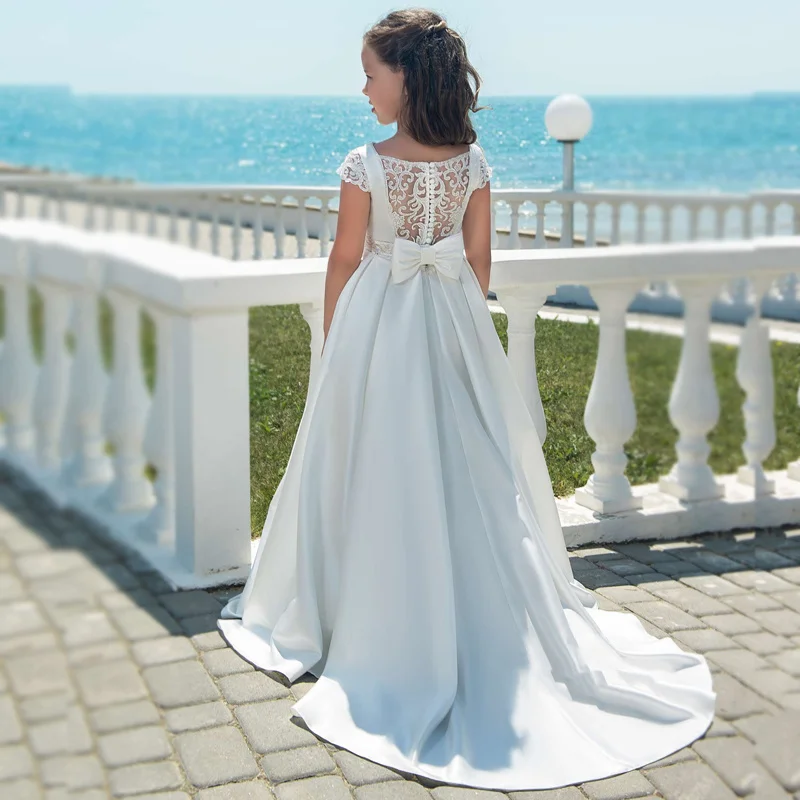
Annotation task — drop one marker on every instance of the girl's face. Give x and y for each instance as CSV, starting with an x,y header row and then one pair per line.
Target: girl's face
x,y
383,87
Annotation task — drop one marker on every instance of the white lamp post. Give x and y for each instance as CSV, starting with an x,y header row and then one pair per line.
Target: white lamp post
x,y
568,119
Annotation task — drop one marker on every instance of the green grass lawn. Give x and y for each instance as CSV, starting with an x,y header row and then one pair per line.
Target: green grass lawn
x,y
565,355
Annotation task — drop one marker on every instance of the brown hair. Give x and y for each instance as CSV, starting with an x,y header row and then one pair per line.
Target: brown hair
x,y
436,73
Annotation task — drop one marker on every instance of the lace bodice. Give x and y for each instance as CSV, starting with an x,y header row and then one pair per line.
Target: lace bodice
x,y
427,199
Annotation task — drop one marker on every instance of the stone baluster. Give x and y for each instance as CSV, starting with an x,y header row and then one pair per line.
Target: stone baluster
x,y
513,236
83,438
280,228
541,239
641,219
591,225
754,373
18,367
610,415
616,210
159,440
215,226
302,227
126,409
694,403
52,387
236,231
522,306
258,228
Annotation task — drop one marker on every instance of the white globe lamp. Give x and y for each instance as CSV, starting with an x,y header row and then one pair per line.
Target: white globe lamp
x,y
568,119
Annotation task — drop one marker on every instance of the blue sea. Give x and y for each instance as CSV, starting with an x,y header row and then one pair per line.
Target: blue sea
x,y
665,143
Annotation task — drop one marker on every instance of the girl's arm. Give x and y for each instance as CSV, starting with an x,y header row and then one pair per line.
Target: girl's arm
x,y
477,230
348,245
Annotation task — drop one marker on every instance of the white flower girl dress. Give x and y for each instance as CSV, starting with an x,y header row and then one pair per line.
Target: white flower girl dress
x,y
412,558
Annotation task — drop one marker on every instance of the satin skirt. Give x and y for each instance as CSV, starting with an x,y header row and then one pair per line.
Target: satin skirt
x,y
412,560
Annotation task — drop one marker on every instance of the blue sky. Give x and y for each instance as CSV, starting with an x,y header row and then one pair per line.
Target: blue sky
x,y
611,47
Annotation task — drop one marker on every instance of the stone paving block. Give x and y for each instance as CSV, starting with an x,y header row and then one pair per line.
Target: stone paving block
x,y
689,781
269,728
359,771
465,793
759,581
791,574
712,585
623,595
731,624
48,563
210,640
215,756
203,623
33,675
225,662
250,687
788,599
762,643
787,660
97,654
183,683
164,796
394,790
47,706
737,660
134,746
21,617
298,763
720,727
618,787
140,778
10,587
783,621
108,684
249,790
124,716
678,757
150,652
562,793
40,642
123,601
10,725
195,718
190,603
709,561
692,601
770,683
145,623
23,789
762,559
777,747
74,772
733,759
58,737
15,762
665,616
88,627
703,640
735,700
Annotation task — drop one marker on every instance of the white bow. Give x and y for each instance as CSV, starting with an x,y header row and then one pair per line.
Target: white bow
x,y
446,256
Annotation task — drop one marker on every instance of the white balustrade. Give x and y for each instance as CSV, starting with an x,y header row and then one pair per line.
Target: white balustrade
x,y
194,525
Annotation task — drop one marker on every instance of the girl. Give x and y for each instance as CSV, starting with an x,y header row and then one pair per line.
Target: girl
x,y
412,558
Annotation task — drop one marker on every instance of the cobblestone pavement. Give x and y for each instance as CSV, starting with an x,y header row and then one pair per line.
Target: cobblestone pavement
x,y
112,685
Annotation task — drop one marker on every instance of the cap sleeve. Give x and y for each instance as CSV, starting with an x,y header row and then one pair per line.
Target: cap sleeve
x,y
353,170
484,170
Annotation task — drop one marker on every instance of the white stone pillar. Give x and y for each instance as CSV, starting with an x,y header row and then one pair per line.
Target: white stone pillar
x,y
212,444
754,373
522,305
694,403
610,415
